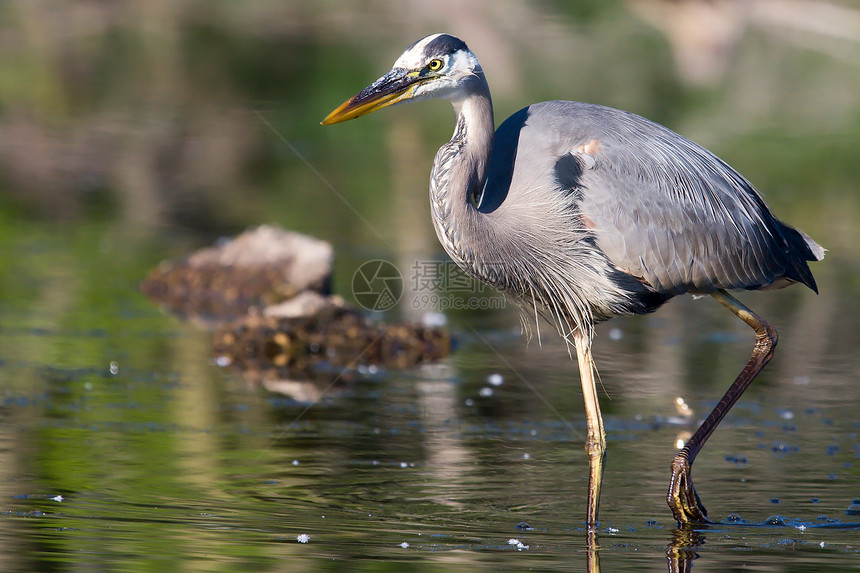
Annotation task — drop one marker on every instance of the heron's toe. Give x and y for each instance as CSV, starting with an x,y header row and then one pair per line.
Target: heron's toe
x,y
682,497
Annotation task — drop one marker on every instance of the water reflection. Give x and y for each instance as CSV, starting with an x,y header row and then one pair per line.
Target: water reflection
x,y
135,126
682,549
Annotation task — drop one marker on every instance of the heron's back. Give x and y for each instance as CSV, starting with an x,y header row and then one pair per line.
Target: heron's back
x,y
659,207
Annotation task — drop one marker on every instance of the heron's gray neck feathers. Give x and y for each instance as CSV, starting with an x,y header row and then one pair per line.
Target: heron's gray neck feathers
x,y
459,171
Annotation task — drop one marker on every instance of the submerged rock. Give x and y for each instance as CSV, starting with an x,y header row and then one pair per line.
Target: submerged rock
x,y
266,294
313,332
259,268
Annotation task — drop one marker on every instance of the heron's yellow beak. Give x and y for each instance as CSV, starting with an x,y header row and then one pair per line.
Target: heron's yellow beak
x,y
394,87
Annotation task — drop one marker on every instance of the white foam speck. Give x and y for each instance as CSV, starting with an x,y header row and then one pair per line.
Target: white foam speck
x,y
434,319
495,379
303,538
486,392
404,545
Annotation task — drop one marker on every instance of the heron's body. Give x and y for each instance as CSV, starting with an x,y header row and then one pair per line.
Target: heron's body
x,y
586,212
612,213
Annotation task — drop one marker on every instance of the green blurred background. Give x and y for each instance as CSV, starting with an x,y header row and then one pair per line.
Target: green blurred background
x,y
151,116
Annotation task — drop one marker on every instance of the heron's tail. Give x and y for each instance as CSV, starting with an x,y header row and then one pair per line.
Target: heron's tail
x,y
801,248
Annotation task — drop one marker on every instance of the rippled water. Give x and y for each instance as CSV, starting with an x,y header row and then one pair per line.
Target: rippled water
x,y
125,448
134,132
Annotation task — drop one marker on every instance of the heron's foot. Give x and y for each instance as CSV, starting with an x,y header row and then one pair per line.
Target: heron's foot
x,y
682,497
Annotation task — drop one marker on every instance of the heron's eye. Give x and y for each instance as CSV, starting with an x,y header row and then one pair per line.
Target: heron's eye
x,y
435,65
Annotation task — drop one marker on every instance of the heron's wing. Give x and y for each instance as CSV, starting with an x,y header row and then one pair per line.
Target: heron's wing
x,y
668,211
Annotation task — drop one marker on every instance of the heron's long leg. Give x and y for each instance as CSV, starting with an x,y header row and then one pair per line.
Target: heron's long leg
x,y
682,497
595,442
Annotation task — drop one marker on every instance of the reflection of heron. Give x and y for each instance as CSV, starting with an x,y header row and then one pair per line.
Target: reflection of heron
x,y
585,212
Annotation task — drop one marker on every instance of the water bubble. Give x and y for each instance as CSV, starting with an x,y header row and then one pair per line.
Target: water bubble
x,y
734,518
295,462
434,319
774,500
469,402
303,538
854,508
495,379
223,361
616,333
524,526
651,522
486,392
114,368
775,520
781,449
527,456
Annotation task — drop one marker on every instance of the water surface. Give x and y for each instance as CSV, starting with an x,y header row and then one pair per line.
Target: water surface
x,y
144,131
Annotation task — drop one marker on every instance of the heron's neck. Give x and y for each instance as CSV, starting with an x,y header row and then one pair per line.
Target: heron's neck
x,y
458,175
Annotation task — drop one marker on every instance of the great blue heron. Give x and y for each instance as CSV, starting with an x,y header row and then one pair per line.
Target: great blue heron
x,y
584,212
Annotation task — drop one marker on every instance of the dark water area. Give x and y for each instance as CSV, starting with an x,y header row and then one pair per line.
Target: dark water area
x,y
145,131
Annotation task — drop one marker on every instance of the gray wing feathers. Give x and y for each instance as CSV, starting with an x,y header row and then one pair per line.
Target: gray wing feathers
x,y
668,211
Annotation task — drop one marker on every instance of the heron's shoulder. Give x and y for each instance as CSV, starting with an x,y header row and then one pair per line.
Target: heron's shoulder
x,y
574,121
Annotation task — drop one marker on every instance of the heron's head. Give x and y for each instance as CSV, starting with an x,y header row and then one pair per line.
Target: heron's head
x,y
436,66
